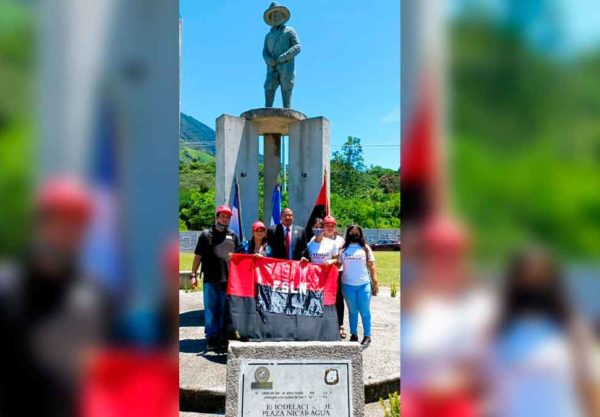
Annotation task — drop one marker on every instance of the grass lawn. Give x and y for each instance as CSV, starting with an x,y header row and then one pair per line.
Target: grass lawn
x,y
388,267
387,263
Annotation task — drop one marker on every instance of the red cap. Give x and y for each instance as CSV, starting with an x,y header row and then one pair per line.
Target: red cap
x,y
443,232
65,196
258,225
224,209
329,220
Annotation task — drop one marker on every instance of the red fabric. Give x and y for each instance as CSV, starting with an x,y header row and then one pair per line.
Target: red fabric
x,y
288,240
247,270
132,384
420,153
421,405
241,281
322,197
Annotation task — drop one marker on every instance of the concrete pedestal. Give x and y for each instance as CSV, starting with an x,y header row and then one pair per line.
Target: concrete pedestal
x,y
272,167
321,355
309,158
237,157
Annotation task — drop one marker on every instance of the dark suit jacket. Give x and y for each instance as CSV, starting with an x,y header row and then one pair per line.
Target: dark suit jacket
x,y
276,240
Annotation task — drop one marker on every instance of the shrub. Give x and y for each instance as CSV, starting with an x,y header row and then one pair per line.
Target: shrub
x,y
394,410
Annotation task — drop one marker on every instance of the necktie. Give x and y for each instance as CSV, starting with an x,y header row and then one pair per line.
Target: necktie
x,y
288,242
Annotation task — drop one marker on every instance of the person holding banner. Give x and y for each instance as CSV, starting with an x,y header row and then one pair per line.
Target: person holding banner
x,y
321,251
359,281
329,232
213,249
258,244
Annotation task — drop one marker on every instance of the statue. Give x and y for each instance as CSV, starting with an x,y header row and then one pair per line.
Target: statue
x,y
281,46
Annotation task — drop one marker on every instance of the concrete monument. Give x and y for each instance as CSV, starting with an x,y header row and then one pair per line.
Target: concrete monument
x,y
281,46
237,137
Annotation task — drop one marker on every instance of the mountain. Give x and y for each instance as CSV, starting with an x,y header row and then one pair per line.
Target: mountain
x,y
196,135
188,154
197,141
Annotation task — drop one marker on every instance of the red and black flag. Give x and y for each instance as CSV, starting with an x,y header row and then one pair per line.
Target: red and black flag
x,y
275,299
130,382
320,210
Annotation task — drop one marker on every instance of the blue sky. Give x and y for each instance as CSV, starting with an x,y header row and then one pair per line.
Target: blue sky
x,y
581,22
348,70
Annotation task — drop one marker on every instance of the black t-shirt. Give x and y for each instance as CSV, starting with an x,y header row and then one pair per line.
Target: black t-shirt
x,y
214,246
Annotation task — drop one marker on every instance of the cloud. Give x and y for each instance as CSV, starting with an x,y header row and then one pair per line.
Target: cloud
x,y
393,116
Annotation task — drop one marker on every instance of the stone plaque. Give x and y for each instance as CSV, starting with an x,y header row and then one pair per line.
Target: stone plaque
x,y
295,388
294,379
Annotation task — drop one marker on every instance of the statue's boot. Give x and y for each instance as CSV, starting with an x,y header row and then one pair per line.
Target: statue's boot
x,y
269,98
287,98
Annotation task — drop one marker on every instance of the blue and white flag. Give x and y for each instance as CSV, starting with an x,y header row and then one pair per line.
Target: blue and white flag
x,y
236,218
276,204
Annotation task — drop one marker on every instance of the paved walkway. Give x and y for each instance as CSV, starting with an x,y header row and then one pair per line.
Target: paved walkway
x,y
202,374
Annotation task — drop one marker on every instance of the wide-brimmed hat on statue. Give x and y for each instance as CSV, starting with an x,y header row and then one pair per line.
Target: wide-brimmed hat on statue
x,y
274,7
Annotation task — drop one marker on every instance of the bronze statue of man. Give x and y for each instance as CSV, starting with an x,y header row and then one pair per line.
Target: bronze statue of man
x,y
281,46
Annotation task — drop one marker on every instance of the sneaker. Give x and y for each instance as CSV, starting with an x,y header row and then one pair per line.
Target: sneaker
x,y
365,342
354,338
223,344
213,343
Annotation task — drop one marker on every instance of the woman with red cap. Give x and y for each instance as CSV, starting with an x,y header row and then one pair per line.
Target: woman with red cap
x,y
321,251
257,244
329,232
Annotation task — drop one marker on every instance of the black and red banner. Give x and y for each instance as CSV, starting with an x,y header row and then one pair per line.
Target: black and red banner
x,y
320,210
274,299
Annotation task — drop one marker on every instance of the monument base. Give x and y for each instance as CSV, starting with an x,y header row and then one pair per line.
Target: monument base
x,y
273,120
300,379
237,160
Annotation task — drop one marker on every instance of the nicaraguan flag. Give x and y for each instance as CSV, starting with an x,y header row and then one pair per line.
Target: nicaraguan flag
x,y
236,218
276,203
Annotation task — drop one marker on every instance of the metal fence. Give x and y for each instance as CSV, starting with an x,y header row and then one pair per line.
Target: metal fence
x,y
187,240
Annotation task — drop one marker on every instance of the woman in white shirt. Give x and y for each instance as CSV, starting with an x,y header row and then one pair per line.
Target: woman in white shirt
x,y
359,282
321,251
329,224
544,360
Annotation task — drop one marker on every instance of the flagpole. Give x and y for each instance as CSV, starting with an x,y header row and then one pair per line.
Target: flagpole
x,y
327,212
283,163
240,214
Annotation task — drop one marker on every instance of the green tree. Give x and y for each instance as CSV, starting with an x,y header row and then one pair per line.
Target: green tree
x,y
348,169
526,141
17,43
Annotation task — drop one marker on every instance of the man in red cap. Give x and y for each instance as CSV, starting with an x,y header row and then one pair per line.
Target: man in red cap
x,y
52,313
212,251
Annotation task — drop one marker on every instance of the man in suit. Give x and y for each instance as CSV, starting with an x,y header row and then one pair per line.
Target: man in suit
x,y
287,240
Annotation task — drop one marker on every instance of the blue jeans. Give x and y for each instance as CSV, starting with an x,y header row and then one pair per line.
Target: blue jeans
x,y
214,309
358,299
